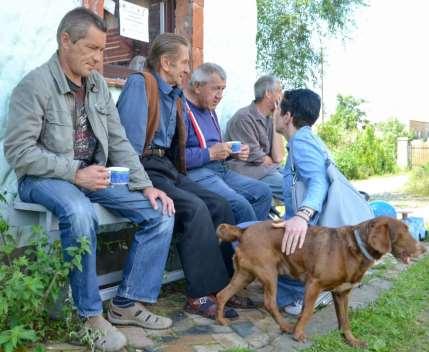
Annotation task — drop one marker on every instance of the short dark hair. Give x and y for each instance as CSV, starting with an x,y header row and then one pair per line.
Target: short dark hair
x,y
164,44
77,22
303,105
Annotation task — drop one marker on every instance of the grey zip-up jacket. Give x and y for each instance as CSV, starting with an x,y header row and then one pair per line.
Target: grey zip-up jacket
x,y
39,135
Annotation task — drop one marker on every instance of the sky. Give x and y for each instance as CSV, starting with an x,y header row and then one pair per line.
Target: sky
x,y
385,61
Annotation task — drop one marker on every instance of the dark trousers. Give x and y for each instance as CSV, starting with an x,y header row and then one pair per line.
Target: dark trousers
x,y
198,213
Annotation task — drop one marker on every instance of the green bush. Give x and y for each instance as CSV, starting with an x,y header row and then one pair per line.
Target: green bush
x,y
418,183
32,280
359,147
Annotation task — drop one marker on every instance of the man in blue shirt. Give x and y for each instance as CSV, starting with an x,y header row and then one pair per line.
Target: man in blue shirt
x,y
151,111
206,153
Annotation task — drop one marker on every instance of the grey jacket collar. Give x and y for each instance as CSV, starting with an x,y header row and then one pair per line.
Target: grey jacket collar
x,y
61,80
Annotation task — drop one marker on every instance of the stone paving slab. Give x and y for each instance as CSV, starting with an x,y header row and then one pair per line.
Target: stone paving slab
x,y
136,337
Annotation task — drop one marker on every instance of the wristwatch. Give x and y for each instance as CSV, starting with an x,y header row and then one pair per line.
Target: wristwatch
x,y
305,213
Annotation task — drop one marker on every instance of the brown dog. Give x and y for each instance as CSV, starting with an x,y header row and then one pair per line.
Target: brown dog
x,y
330,260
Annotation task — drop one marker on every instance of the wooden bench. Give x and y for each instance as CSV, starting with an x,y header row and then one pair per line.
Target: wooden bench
x,y
27,214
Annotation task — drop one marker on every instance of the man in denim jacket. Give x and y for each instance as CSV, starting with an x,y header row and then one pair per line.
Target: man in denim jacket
x,y
63,130
299,111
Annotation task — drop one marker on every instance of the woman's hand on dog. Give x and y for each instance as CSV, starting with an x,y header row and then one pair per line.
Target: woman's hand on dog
x,y
294,235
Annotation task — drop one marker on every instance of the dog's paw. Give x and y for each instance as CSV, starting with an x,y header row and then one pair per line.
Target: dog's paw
x,y
357,343
299,336
222,321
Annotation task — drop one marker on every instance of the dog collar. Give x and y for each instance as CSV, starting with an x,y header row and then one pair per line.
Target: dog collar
x,y
362,246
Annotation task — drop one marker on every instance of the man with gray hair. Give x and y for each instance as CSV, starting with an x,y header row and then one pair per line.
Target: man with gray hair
x,y
206,153
63,130
255,125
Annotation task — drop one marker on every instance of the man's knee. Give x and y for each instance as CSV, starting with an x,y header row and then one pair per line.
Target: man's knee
x,y
220,210
165,224
240,202
263,191
197,207
81,217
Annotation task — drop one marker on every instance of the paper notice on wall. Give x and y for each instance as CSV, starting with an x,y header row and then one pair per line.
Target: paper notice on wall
x,y
133,21
109,6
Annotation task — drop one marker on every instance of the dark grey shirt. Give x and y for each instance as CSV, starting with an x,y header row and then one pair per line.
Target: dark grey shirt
x,y
250,127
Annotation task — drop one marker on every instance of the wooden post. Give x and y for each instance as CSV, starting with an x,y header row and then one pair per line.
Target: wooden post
x,y
190,24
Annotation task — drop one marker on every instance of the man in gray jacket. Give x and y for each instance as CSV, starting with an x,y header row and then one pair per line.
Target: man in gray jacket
x,y
255,125
63,130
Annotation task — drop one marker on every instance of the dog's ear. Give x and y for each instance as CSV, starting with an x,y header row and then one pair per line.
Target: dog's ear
x,y
379,238
228,233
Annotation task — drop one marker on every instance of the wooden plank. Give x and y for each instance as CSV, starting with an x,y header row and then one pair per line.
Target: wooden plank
x,y
169,276
24,212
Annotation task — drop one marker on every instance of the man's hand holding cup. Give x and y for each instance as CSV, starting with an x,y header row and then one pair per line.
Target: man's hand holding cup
x,y
219,151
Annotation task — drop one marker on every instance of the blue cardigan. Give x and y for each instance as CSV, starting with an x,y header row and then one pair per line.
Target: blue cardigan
x,y
310,158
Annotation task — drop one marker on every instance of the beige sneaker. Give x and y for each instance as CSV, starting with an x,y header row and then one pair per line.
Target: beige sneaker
x,y
105,336
138,315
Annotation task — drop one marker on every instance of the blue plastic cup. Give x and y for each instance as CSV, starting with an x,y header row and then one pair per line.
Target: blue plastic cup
x,y
235,146
118,175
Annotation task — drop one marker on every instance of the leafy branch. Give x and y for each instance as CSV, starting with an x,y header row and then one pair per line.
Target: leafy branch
x,y
290,33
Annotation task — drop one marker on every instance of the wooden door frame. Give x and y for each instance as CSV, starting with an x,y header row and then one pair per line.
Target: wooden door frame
x,y
188,21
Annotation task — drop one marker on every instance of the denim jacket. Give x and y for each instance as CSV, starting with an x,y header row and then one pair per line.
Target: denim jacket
x,y
133,110
310,158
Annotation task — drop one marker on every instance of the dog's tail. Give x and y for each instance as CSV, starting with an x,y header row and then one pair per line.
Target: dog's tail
x,y
229,233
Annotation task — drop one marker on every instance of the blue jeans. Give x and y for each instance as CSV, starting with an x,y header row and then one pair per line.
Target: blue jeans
x,y
143,271
250,199
289,290
275,181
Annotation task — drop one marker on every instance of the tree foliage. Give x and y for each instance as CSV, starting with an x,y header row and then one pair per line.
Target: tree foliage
x,y
289,29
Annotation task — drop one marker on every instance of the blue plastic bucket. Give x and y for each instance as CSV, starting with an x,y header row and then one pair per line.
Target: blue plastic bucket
x,y
382,208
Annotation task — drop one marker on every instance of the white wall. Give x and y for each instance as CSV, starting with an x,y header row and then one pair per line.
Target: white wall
x,y
230,41
27,40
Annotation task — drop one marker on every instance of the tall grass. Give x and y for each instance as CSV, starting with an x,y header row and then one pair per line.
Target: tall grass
x,y
418,183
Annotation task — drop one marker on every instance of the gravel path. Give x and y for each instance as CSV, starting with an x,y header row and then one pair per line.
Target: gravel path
x,y
392,190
